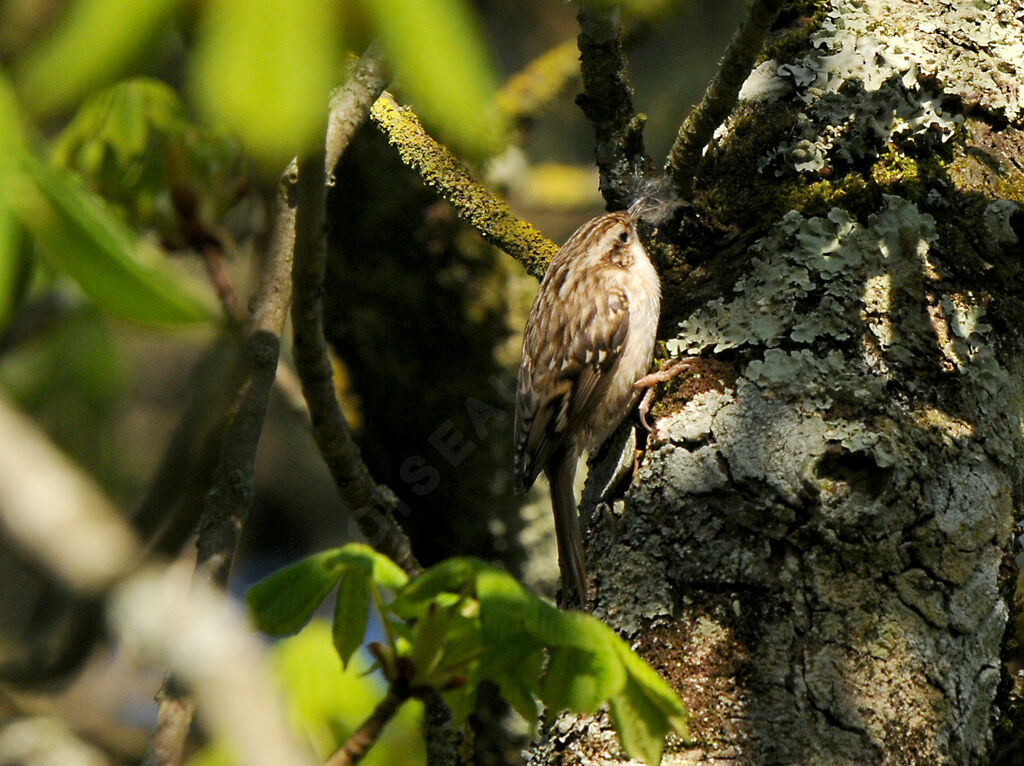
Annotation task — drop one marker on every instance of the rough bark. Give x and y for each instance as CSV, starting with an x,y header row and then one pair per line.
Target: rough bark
x,y
817,550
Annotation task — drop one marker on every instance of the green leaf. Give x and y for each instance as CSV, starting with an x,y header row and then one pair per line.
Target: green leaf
x,y
454,575
461,702
641,726
351,611
285,601
382,570
15,265
123,275
12,134
462,645
514,618
428,642
575,679
93,43
517,679
117,135
588,664
506,607
136,146
325,705
654,688
442,62
265,68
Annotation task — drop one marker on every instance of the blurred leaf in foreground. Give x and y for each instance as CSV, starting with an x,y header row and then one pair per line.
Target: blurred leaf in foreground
x,y
326,704
124,275
138,148
79,235
264,70
94,42
442,62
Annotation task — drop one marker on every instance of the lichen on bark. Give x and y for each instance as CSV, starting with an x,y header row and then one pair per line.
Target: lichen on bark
x,y
818,547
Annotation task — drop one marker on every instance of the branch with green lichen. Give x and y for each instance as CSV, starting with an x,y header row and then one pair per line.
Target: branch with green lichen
x,y
472,201
537,83
702,121
607,102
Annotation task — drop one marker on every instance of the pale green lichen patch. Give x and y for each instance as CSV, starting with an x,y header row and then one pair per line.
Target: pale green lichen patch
x,y
804,278
833,312
878,71
974,49
860,89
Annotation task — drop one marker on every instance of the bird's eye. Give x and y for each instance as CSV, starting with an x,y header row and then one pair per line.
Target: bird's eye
x,y
624,236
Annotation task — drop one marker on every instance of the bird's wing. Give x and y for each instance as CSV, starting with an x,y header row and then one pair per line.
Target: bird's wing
x,y
574,337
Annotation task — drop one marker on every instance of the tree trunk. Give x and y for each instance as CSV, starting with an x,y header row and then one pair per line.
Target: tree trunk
x,y
817,550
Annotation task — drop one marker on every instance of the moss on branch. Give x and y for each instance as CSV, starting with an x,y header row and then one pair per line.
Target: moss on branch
x,y
473,202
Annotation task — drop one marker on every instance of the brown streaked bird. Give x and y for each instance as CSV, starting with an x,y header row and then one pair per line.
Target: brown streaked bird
x,y
588,340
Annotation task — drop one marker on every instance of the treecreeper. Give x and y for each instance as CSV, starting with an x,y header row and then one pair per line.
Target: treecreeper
x,y
587,348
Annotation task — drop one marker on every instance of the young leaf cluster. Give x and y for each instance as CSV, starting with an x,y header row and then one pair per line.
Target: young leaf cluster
x,y
48,214
462,622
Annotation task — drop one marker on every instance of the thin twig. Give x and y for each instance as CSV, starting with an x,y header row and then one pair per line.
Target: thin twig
x,y
351,102
230,304
718,100
286,381
372,506
176,707
54,512
607,102
228,502
363,738
442,171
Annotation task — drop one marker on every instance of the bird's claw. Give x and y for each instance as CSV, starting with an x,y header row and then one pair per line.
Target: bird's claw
x,y
671,369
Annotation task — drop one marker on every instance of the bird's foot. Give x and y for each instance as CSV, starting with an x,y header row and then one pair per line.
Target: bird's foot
x,y
669,370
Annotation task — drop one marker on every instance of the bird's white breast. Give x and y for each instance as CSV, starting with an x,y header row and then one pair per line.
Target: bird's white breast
x,y
642,286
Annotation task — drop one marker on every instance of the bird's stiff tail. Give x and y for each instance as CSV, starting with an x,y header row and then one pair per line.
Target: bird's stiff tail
x,y
561,472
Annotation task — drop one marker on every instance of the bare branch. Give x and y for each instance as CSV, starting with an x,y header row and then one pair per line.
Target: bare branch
x,y
203,638
218,275
607,101
372,506
369,731
472,201
351,102
195,631
56,513
718,100
227,504
176,707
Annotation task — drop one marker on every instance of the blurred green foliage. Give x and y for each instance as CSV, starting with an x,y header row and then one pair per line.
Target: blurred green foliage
x,y
464,621
264,69
77,234
94,43
439,57
325,704
139,149
260,72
